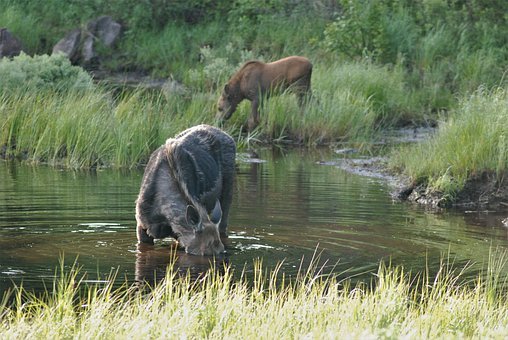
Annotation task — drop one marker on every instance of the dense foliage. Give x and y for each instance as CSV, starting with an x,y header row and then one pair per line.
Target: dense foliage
x,y
445,46
42,72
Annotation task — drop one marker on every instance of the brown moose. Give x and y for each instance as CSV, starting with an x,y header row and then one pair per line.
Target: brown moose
x,y
257,80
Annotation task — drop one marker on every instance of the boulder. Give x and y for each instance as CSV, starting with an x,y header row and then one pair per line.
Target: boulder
x,y
81,45
103,29
88,53
69,45
107,30
10,46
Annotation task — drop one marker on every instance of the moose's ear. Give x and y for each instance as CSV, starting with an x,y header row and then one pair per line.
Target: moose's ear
x,y
192,216
226,88
216,214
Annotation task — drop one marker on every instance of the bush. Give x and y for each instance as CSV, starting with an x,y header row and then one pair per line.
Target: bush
x,y
42,72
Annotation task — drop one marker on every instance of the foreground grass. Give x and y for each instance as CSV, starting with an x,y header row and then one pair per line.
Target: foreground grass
x,y
473,140
397,304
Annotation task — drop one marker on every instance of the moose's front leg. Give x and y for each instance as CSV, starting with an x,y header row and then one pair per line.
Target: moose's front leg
x,y
143,236
254,116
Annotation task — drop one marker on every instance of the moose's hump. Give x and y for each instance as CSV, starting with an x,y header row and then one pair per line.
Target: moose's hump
x,y
195,160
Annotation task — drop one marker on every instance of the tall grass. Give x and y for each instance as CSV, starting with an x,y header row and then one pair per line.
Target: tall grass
x,y
23,26
349,101
396,304
472,141
91,127
167,52
88,129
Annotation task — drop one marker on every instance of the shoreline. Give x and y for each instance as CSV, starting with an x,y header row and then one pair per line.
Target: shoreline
x,y
481,192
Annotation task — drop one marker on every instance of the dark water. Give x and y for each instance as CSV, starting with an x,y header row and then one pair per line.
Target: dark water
x,y
287,206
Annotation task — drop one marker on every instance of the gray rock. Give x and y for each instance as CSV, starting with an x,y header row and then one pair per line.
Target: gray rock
x,y
88,53
10,46
81,45
107,30
69,45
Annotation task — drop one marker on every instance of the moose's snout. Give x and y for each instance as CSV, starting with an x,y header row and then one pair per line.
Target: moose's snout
x,y
205,242
214,247
219,247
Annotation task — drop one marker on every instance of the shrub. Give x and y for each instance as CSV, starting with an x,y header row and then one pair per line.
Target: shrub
x,y
42,72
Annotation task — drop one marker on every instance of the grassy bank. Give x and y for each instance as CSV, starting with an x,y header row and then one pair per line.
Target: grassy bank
x,y
91,128
396,304
472,141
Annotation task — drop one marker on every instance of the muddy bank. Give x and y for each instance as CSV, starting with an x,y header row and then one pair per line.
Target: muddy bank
x,y
485,191
138,80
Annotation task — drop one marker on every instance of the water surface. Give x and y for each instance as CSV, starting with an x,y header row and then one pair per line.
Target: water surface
x,y
287,206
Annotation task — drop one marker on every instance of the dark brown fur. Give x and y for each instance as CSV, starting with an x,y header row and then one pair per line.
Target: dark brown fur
x,y
256,80
187,190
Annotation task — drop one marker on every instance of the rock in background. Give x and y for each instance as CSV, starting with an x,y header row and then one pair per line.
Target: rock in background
x,y
69,45
10,46
89,46
80,45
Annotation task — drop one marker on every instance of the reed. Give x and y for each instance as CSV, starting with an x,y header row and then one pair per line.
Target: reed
x,y
397,303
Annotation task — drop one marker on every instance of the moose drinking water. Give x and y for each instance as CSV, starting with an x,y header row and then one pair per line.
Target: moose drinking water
x,y
257,80
187,190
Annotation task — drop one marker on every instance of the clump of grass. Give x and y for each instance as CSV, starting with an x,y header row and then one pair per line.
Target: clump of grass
x,y
48,127
396,304
472,141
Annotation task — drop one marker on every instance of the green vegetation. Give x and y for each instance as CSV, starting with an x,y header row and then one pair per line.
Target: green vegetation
x,y
396,304
377,65
47,119
42,73
89,128
473,140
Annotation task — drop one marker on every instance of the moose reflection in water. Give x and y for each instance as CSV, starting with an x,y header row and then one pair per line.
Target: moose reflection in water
x,y
152,262
256,80
187,190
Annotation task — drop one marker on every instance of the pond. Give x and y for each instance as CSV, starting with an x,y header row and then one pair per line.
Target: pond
x,y
288,205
